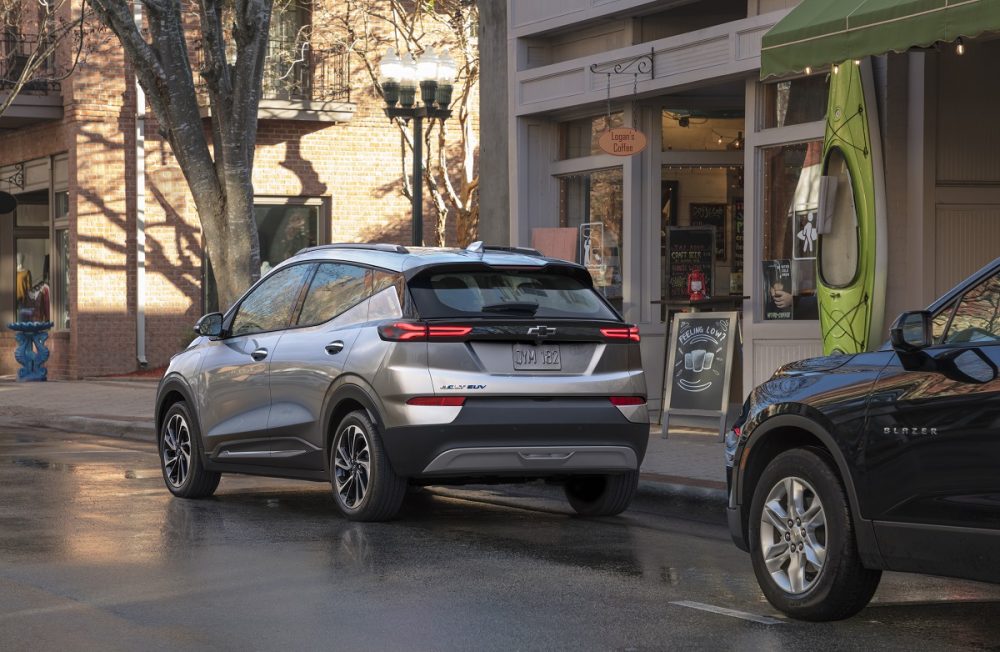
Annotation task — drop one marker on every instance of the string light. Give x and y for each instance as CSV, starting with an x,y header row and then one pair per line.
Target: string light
x,y
857,62
836,69
960,47
809,70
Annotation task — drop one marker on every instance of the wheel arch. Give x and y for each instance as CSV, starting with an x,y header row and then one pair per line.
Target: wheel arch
x,y
341,401
786,432
172,390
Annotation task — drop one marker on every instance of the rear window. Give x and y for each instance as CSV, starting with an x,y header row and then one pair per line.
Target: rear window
x,y
506,294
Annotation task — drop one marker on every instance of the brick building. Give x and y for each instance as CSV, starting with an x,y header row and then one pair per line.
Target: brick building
x,y
328,168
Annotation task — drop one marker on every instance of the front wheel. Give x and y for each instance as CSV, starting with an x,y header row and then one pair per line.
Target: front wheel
x,y
364,485
601,495
802,541
180,456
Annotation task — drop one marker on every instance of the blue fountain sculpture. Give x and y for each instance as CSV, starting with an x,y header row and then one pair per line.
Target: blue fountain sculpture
x,y
31,352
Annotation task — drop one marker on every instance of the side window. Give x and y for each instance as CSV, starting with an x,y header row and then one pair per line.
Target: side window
x,y
977,316
335,288
269,307
387,296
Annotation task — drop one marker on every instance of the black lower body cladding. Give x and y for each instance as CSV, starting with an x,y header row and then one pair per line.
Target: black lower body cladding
x,y
586,424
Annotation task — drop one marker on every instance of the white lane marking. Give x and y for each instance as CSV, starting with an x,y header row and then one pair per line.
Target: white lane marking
x,y
743,615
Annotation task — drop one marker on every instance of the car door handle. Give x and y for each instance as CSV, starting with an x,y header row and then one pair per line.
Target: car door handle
x,y
333,348
259,354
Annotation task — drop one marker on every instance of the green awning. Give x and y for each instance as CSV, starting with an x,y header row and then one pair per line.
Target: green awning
x,y
822,32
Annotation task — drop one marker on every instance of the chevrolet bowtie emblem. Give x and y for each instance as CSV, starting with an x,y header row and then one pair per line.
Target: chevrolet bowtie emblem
x,y
541,331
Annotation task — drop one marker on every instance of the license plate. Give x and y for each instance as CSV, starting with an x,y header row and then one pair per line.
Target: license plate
x,y
537,357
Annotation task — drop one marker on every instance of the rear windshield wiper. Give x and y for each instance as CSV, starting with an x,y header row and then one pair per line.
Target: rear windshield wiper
x,y
512,306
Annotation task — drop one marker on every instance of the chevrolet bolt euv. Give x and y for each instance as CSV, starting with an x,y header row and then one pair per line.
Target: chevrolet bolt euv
x,y
374,367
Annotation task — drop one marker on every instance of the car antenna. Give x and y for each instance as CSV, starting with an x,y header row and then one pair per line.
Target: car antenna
x,y
476,248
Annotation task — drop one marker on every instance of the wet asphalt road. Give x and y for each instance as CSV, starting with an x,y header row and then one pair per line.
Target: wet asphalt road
x,y
95,554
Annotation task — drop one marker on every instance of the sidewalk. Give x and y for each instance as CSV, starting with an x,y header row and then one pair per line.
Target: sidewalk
x,y
685,463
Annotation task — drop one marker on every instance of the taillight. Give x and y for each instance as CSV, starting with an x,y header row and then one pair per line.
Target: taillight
x,y
437,401
624,333
405,331
628,400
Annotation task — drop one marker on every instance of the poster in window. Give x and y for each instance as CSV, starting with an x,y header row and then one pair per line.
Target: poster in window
x,y
806,234
713,215
777,294
690,247
600,255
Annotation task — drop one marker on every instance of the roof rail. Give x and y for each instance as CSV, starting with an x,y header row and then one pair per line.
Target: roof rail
x,y
380,246
515,250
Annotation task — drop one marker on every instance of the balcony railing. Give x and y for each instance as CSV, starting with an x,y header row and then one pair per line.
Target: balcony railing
x,y
295,71
15,52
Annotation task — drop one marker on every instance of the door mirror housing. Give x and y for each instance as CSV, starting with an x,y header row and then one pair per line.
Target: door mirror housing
x,y
209,325
913,331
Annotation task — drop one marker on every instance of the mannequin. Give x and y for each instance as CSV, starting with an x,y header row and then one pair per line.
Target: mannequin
x,y
23,279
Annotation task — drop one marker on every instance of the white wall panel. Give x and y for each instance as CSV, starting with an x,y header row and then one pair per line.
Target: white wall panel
x,y
966,238
768,355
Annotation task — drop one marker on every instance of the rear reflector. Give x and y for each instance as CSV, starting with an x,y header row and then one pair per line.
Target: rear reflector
x,y
437,401
405,331
624,333
628,400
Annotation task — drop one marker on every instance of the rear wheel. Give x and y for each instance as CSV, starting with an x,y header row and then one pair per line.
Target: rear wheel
x,y
365,487
802,542
601,495
180,456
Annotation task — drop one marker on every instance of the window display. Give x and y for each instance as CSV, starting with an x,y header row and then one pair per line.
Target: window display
x,y
283,231
592,203
790,203
31,284
580,137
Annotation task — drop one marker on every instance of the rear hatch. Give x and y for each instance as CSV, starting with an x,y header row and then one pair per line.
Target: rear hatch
x,y
525,332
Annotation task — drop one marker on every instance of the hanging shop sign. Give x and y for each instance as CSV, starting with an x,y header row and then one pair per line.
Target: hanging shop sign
x,y
8,202
622,141
699,366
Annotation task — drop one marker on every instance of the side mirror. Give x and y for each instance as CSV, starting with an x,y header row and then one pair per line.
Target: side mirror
x,y
209,325
913,331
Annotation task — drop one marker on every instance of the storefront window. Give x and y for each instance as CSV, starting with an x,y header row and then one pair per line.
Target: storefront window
x,y
31,282
579,137
33,209
700,133
283,231
62,205
795,101
591,203
791,175
62,279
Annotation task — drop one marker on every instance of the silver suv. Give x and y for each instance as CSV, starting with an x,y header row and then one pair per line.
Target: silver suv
x,y
377,366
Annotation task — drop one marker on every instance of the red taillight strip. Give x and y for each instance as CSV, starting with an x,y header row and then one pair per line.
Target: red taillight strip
x,y
628,400
437,401
404,331
626,333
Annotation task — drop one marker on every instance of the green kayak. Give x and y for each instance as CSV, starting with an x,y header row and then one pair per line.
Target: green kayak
x,y
851,276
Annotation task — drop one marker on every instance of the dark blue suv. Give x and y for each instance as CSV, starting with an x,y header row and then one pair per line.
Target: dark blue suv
x,y
840,467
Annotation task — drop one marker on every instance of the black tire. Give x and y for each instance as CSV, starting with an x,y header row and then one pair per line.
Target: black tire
x,y
186,476
383,489
842,586
601,495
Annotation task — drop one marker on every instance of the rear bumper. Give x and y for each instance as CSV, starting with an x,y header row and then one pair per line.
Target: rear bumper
x,y
521,437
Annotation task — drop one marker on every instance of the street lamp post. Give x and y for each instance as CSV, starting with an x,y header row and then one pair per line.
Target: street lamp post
x,y
435,75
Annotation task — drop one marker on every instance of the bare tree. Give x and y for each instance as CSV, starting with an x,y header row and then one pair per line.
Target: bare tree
x,y
451,173
218,175
32,34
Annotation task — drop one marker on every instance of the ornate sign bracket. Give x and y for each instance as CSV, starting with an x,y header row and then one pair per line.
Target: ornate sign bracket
x,y
640,65
17,179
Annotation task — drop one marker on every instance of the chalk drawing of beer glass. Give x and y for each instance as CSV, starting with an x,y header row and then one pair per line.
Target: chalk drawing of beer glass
x,y
698,360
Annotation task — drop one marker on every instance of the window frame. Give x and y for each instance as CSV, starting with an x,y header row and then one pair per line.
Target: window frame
x,y
954,303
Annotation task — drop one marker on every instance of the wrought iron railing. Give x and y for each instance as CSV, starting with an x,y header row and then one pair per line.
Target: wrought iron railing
x,y
16,50
295,71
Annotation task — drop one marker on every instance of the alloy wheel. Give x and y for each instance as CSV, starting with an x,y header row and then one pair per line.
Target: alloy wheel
x,y
352,466
793,536
177,450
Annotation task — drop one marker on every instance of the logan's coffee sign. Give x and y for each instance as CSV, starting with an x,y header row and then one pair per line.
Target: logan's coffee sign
x,y
622,141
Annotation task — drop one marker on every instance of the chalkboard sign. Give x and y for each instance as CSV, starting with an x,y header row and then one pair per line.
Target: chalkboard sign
x,y
713,215
690,247
699,366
